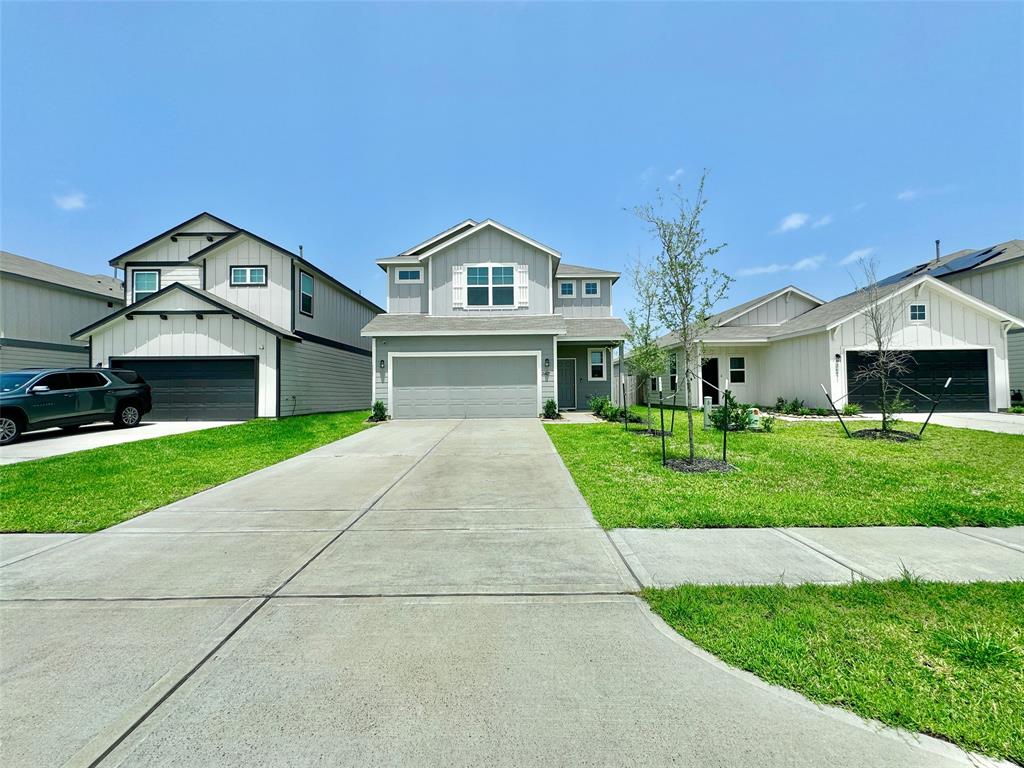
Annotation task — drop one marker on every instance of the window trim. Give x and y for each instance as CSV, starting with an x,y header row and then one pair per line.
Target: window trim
x,y
673,372
910,312
248,268
399,280
490,267
743,369
586,295
311,294
136,273
571,284
590,364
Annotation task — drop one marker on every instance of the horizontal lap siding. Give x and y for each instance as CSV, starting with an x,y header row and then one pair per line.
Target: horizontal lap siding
x,y
1015,352
13,358
188,336
316,379
39,312
336,314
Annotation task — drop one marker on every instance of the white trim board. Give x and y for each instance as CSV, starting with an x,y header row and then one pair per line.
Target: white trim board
x,y
484,225
478,353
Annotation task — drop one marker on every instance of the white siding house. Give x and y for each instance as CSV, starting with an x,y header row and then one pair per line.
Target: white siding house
x,y
226,324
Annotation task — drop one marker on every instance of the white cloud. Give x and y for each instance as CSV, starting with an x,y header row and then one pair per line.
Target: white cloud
x,y
908,194
73,201
854,256
913,193
823,221
646,175
793,221
857,208
803,265
675,175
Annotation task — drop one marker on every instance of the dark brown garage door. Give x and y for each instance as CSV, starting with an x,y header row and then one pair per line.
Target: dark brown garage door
x,y
929,371
198,389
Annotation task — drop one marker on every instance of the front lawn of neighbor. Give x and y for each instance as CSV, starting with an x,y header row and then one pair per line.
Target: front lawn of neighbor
x,y
801,474
91,490
942,659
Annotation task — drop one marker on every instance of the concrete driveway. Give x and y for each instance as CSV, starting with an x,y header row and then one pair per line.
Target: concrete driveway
x,y
1010,423
422,593
55,442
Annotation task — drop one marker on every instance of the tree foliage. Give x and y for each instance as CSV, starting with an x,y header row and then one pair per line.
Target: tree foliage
x,y
644,357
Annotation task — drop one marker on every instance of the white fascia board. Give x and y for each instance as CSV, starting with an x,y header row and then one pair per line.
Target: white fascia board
x,y
435,238
479,228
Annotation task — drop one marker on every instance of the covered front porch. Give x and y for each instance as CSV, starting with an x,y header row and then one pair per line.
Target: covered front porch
x,y
583,370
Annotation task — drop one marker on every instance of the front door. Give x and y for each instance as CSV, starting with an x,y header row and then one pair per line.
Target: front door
x,y
709,376
566,382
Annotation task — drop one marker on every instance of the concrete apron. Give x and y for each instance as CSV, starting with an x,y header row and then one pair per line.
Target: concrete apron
x,y
420,593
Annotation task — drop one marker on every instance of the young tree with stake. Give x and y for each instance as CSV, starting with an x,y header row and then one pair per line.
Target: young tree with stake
x,y
689,286
645,359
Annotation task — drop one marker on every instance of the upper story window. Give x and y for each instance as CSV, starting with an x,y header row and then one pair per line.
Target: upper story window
x,y
490,286
414,275
591,289
567,289
918,313
243,276
144,283
306,294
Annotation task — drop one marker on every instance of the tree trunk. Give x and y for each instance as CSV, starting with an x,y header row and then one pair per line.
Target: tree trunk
x,y
689,410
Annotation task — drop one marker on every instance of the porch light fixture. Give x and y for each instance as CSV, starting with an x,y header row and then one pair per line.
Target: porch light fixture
x,y
547,362
839,359
382,363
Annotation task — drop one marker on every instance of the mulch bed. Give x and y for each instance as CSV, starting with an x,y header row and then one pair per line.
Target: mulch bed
x,y
700,465
895,435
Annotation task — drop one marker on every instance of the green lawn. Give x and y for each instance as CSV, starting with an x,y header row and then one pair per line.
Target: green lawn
x,y
799,474
942,659
91,490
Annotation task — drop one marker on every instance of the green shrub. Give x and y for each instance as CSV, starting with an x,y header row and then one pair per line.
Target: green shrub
x,y
767,423
780,404
822,412
551,410
852,409
794,406
597,403
379,412
1015,409
802,411
612,413
739,414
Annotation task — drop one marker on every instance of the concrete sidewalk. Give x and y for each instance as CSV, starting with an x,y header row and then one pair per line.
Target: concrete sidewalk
x,y
668,557
421,593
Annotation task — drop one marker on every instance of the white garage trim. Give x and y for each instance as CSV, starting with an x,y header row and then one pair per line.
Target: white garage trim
x,y
488,353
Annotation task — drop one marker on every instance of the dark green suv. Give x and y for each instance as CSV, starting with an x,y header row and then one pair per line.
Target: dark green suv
x,y
34,399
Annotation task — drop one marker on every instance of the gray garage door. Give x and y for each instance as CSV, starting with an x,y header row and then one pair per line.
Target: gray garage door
x,y
198,389
464,387
929,370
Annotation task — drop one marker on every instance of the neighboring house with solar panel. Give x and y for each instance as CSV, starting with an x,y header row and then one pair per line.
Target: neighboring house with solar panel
x,y
41,305
790,344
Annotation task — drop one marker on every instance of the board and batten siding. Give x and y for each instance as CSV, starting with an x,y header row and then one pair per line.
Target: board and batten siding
x,y
951,324
185,335
581,306
407,298
490,246
585,389
1001,285
186,274
166,249
384,345
1015,359
336,314
317,379
796,368
272,301
31,310
776,311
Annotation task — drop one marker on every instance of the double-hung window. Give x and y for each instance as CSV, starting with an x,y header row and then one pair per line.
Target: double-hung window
x,y
144,283
737,370
595,359
490,286
245,276
306,294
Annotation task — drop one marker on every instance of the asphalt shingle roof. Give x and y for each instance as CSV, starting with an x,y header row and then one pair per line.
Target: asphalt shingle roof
x,y
425,325
101,285
603,328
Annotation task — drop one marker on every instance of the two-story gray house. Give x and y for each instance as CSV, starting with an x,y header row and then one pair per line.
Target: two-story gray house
x,y
484,321
227,325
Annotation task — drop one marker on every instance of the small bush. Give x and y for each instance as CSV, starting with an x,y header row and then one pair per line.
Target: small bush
x,y
802,411
1015,409
767,423
794,407
822,412
739,414
780,404
597,403
551,410
612,413
852,409
379,412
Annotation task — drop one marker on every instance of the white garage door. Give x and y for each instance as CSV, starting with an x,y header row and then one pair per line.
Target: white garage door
x,y
464,387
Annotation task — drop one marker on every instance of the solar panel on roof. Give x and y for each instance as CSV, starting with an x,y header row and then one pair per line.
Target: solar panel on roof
x,y
969,261
899,276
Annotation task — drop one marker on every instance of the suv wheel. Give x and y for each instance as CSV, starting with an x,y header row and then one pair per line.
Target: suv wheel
x,y
10,429
128,415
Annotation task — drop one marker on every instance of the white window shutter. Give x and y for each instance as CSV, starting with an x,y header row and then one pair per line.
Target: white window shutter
x,y
522,285
458,287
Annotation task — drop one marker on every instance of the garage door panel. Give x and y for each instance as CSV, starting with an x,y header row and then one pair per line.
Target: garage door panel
x,y
464,387
198,389
969,390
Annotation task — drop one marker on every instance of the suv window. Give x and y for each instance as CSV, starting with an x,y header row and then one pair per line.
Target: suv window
x,y
85,379
128,377
54,381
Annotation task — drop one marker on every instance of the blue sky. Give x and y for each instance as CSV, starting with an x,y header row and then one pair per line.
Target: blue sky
x,y
358,130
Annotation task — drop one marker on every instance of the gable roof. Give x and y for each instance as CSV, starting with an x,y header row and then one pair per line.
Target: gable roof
x,y
109,288
728,315
173,230
460,231
206,296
